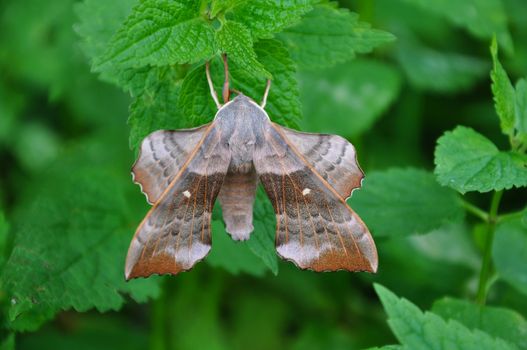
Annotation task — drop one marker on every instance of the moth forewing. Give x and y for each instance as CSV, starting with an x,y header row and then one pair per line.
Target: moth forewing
x,y
175,234
316,229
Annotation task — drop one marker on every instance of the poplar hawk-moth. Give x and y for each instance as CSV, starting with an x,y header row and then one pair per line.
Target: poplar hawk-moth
x,y
307,177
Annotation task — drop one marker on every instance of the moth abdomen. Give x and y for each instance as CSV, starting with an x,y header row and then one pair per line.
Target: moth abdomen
x,y
236,199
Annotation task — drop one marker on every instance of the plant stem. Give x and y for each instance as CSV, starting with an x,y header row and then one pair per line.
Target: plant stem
x,y
509,216
474,210
486,265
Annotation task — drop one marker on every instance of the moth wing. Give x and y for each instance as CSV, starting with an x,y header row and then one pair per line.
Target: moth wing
x,y
316,229
175,234
161,156
331,156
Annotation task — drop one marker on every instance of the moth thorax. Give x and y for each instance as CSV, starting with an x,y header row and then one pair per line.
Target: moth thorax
x,y
243,167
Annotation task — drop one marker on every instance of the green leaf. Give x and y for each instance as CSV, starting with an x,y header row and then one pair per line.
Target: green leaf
x,y
401,202
482,18
509,252
235,39
234,257
468,161
503,92
156,91
160,32
266,17
328,35
497,322
450,244
349,98
71,237
418,330
520,115
195,102
439,71
283,104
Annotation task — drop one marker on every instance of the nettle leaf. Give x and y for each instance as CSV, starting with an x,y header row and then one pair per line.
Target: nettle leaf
x,y
267,17
71,238
468,161
233,256
195,101
347,99
154,106
283,104
439,71
503,92
418,330
329,35
160,32
481,18
401,202
509,252
497,322
235,39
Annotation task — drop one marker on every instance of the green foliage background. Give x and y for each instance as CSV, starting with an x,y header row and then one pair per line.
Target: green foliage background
x,y
438,119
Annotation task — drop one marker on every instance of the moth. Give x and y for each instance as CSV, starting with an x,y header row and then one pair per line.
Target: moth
x,y
306,176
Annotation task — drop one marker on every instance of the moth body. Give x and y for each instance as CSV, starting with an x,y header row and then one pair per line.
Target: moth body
x,y
241,123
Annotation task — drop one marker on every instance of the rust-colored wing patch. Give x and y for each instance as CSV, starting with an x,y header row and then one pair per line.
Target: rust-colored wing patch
x,y
316,229
175,234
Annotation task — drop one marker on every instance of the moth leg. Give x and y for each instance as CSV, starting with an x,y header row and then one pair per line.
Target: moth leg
x,y
226,91
211,85
266,93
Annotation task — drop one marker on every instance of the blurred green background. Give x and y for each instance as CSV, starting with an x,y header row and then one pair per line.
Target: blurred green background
x,y
63,134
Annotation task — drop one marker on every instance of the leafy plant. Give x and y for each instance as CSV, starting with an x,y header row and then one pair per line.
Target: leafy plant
x,y
450,224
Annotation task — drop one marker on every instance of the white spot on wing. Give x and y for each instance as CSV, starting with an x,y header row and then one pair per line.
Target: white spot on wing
x,y
306,191
186,194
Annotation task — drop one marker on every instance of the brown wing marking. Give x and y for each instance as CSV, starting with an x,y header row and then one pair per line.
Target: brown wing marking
x,y
332,156
175,234
161,156
320,231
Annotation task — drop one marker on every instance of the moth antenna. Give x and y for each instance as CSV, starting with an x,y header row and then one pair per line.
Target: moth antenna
x,y
266,93
211,85
226,91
